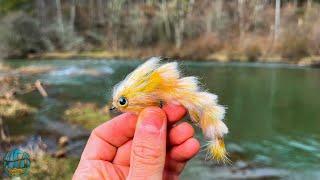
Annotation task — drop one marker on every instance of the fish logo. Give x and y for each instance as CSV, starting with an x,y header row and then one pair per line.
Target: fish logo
x,y
16,163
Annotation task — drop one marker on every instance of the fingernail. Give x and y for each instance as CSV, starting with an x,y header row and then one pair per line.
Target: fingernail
x,y
152,119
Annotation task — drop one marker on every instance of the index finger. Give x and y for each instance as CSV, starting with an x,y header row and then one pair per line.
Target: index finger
x,y
118,130
106,138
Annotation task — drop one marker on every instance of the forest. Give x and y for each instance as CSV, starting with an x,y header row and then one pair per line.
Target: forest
x,y
239,30
60,59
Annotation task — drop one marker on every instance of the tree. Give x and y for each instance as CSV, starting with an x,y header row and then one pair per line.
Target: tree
x,y
277,20
241,18
59,16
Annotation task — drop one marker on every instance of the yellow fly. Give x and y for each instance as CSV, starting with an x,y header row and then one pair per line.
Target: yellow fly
x,y
152,83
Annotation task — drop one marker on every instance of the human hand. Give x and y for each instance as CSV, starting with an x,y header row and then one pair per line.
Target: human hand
x,y
135,147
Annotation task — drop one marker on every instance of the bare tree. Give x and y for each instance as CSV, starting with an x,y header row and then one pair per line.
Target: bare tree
x,y
72,14
100,7
41,11
277,20
209,18
184,9
165,18
218,9
241,18
59,15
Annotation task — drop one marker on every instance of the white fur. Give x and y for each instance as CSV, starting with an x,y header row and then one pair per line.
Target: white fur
x,y
169,70
191,83
216,130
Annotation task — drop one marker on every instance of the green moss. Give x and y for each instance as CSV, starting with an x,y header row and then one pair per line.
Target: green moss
x,y
88,115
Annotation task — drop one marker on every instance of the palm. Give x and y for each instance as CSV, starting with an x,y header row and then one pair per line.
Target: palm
x,y
108,151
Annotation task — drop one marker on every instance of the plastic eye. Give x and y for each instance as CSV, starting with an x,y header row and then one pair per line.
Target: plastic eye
x,y
123,101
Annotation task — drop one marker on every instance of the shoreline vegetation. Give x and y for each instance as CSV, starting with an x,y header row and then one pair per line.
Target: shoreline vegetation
x,y
240,30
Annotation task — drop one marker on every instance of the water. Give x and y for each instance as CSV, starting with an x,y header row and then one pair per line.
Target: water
x,y
273,110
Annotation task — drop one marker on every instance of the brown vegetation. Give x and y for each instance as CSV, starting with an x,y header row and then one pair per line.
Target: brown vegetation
x,y
234,30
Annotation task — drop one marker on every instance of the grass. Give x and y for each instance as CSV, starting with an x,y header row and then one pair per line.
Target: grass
x,y
89,115
12,109
47,167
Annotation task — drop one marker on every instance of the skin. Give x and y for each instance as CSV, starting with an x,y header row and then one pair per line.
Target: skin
x,y
149,146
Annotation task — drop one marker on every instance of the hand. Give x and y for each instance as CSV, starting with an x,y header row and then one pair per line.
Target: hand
x,y
135,147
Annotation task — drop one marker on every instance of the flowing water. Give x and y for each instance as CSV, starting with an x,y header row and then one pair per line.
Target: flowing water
x,y
273,110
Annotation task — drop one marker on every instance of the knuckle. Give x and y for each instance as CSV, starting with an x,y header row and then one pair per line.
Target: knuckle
x,y
148,154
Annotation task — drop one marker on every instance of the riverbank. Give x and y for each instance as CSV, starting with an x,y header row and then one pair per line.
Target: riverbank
x,y
312,61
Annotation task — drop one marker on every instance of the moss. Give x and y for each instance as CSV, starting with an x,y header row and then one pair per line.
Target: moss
x,y
88,115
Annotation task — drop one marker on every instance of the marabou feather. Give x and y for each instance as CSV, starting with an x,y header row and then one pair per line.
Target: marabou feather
x,y
152,83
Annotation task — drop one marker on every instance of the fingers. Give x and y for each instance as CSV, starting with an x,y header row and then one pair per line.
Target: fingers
x,y
98,169
177,135
149,145
185,151
183,148
180,133
98,149
174,112
104,140
179,155
118,130
123,154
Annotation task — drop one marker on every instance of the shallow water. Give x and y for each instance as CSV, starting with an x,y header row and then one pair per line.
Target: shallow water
x,y
273,110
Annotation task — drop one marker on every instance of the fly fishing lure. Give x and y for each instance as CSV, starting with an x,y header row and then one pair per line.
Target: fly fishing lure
x,y
152,84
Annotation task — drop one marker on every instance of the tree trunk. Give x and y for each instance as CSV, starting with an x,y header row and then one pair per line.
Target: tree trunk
x,y
241,19
41,11
72,15
92,11
164,15
179,28
59,15
218,9
100,11
209,18
277,20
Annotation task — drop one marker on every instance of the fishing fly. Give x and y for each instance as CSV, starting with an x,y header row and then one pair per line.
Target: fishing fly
x,y
153,83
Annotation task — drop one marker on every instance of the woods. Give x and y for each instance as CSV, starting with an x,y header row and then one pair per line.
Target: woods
x,y
234,30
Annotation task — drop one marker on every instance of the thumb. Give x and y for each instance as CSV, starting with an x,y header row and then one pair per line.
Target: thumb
x,y
149,145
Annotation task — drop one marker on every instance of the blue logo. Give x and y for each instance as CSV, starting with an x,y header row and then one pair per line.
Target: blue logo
x,y
16,163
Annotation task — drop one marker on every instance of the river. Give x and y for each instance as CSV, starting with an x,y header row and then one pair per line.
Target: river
x,y
273,109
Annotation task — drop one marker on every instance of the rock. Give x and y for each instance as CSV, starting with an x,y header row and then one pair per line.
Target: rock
x,y
63,141
241,165
235,148
313,61
60,153
257,173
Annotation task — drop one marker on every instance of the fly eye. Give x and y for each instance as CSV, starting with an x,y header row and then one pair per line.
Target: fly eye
x,y
123,101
